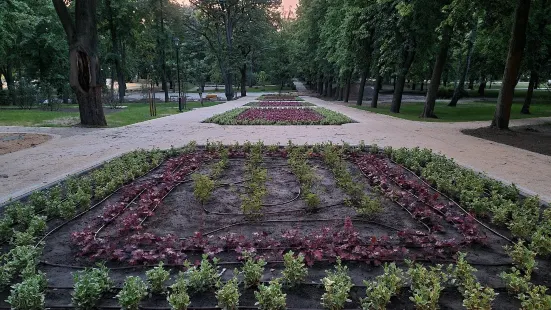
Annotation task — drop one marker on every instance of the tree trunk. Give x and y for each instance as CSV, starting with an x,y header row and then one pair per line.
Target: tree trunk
x,y
228,83
471,83
326,88
439,65
85,69
8,75
243,71
422,85
460,87
401,81
413,85
348,85
528,100
362,87
512,67
115,46
378,86
482,88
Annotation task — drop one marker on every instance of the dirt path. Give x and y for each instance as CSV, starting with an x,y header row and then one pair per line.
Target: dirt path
x,y
77,149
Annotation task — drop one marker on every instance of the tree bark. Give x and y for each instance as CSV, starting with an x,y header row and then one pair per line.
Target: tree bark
x,y
471,83
378,86
84,62
401,81
362,87
326,88
482,88
529,94
348,85
116,49
161,46
243,71
512,67
439,65
460,87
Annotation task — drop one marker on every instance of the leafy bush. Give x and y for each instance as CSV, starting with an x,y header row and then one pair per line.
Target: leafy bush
x,y
295,270
252,269
228,294
475,296
426,285
337,285
202,187
89,287
523,258
380,290
29,294
157,278
203,278
179,299
133,291
270,297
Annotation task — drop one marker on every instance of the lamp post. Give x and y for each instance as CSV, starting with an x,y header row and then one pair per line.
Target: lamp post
x,y
177,44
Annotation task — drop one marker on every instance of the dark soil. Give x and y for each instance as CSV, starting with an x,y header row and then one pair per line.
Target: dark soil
x,y
536,138
181,215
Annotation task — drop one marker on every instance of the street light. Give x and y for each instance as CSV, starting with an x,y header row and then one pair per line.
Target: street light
x,y
177,44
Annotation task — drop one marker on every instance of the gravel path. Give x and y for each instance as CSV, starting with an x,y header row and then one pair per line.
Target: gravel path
x,y
75,149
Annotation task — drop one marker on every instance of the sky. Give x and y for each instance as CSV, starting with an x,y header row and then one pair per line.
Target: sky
x,y
285,3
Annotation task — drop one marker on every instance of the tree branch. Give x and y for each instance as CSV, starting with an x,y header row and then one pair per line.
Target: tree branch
x,y
65,18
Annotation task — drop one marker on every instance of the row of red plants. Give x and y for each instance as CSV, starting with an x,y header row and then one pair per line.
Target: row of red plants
x,y
281,104
137,202
280,115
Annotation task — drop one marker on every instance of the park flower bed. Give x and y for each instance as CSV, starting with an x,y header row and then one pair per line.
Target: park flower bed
x,y
271,227
280,116
276,103
279,97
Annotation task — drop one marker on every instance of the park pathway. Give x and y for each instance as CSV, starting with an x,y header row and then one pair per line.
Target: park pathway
x,y
76,149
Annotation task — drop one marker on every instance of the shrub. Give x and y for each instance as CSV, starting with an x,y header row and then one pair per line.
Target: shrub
x,y
426,285
133,291
252,269
295,270
337,285
385,286
28,295
89,287
270,297
202,187
228,294
179,299
157,278
523,258
203,278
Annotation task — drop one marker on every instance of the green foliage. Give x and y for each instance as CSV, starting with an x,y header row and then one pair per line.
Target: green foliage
x,y
29,294
90,285
133,291
157,278
295,270
476,297
202,278
252,269
380,290
270,297
202,187
179,299
525,219
337,284
231,118
426,285
523,258
535,298
228,294
16,261
515,281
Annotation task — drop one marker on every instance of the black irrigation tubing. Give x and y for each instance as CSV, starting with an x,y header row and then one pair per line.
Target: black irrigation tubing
x,y
454,202
93,206
275,212
117,215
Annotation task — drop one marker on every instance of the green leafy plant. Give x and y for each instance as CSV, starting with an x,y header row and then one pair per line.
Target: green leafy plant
x,y
295,270
426,285
228,294
380,290
515,281
179,299
133,291
535,298
29,294
202,278
523,258
89,287
270,297
475,296
312,201
202,187
337,286
252,269
157,278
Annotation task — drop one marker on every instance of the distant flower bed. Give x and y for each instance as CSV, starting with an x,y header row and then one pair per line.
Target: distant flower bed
x,y
280,116
277,97
279,104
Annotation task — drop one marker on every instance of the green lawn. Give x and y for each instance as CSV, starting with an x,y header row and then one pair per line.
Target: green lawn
x,y
134,113
464,112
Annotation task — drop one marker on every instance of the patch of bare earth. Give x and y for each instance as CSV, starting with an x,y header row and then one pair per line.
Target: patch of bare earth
x,y
13,142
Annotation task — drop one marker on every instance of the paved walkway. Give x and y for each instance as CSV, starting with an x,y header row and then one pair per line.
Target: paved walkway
x,y
76,149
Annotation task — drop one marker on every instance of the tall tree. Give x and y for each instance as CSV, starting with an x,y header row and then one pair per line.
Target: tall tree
x,y
84,75
514,58
115,45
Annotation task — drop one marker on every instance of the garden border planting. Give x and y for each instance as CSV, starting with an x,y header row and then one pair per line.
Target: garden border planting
x,y
280,116
271,227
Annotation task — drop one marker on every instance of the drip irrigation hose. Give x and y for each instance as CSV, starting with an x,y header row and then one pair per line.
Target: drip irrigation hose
x,y
454,202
